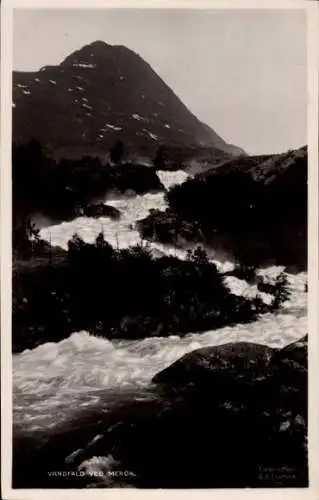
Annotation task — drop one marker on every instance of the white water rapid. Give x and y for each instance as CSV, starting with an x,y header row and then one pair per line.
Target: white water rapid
x,y
55,378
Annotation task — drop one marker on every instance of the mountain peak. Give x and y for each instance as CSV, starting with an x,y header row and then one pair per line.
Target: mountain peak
x,y
97,44
96,52
99,94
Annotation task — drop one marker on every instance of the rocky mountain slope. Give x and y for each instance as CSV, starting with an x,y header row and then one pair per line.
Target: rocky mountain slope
x,y
98,95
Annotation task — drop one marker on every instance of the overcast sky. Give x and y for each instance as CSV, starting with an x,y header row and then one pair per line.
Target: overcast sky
x,y
243,72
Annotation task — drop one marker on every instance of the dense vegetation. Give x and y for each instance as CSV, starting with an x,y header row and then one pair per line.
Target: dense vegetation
x,y
118,293
61,189
254,209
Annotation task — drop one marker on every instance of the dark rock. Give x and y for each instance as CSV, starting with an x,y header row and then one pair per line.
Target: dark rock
x,y
102,210
243,360
289,379
266,288
296,354
132,178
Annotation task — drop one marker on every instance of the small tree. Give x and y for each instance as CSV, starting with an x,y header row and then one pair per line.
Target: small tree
x,y
199,256
281,292
103,248
75,244
25,237
141,251
100,240
189,255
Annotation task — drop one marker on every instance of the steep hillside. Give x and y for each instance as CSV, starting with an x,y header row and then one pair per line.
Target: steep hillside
x,y
254,208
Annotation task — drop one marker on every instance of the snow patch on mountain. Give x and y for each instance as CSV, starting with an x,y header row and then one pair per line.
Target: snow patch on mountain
x,y
83,65
113,127
137,117
153,136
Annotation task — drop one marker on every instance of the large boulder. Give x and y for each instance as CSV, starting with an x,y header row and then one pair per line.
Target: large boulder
x,y
243,361
132,179
102,210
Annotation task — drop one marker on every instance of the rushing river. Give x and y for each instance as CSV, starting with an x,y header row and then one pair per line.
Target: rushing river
x,y
55,379
119,233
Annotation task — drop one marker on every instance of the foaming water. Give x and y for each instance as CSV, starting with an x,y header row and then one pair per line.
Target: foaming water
x,y
120,233
58,378
169,179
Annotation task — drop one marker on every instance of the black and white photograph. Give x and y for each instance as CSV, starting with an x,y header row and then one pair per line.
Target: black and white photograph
x,y
159,255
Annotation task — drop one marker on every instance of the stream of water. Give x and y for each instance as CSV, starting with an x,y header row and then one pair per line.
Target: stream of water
x,y
55,379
